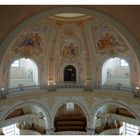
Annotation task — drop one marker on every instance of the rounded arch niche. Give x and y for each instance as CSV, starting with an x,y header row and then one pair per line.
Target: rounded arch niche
x,y
109,114
23,72
116,71
37,113
70,73
70,117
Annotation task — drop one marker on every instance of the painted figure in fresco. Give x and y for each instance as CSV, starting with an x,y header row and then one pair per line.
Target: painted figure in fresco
x,y
37,39
105,41
66,51
70,50
28,42
108,41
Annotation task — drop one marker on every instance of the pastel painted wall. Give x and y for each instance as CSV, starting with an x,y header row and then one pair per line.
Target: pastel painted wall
x,y
92,39
57,44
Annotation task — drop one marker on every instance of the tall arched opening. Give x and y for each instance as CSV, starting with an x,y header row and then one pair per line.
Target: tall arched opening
x,y
70,73
23,72
115,119
70,117
116,71
27,119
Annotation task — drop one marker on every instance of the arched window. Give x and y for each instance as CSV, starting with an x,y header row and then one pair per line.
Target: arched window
x,y
116,71
23,72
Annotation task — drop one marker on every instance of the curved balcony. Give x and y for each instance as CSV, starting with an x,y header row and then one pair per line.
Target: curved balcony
x,y
110,129
9,92
113,131
29,132
70,133
27,129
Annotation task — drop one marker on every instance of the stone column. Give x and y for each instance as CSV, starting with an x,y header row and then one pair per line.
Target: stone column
x,y
1,132
50,131
90,131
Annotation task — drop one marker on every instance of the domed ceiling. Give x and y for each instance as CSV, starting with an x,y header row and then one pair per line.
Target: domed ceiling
x,y
57,40
70,35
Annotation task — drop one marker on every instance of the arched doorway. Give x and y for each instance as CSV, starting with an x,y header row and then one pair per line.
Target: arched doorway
x,y
23,72
34,125
70,73
112,116
70,117
116,71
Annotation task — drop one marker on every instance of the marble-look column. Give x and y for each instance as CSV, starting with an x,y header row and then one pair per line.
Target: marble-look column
x,y
50,131
90,131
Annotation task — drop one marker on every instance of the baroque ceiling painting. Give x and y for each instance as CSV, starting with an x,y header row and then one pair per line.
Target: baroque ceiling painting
x,y
68,31
30,41
34,38
108,40
69,49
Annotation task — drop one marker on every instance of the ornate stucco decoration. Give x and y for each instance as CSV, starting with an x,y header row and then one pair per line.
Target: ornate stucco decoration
x,y
68,32
50,101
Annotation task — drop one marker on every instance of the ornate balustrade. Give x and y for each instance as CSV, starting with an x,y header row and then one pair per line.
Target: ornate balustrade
x,y
113,131
14,120
53,87
29,132
70,133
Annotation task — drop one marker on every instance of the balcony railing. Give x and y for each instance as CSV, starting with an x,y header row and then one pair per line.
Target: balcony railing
x,y
53,87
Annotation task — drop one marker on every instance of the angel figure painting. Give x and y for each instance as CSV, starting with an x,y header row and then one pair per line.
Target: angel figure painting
x,y
27,43
108,40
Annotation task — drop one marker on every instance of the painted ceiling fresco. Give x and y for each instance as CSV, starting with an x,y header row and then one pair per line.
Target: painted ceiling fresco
x,y
54,43
107,39
34,38
30,40
69,49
